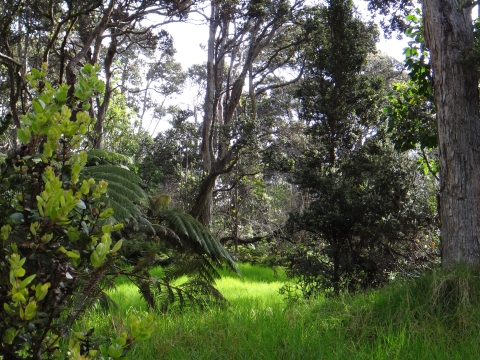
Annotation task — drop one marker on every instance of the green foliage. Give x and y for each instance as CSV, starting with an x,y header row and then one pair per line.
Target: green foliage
x,y
369,216
121,135
411,110
174,239
57,243
411,118
125,196
104,157
188,252
198,237
370,221
433,316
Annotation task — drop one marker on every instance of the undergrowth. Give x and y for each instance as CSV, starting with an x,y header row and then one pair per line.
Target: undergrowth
x,y
436,316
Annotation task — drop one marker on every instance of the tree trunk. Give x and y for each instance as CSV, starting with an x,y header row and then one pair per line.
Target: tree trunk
x,y
448,33
103,107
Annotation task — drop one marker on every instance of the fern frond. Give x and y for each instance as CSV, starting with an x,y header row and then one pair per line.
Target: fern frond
x,y
92,171
137,194
198,237
91,289
168,234
194,292
196,267
97,157
123,194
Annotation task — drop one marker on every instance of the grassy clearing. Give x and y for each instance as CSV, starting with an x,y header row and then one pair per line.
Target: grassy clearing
x,y
433,317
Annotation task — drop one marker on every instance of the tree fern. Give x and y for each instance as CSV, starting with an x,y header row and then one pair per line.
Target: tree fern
x,y
198,266
98,157
124,195
195,292
198,237
194,250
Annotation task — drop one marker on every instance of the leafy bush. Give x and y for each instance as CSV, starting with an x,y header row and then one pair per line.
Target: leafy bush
x,y
56,232
370,220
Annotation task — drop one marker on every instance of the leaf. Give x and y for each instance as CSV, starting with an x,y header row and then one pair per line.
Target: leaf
x,y
61,95
115,351
30,310
27,281
41,291
72,254
24,135
10,335
81,205
117,246
96,260
19,272
37,106
18,297
17,216
36,74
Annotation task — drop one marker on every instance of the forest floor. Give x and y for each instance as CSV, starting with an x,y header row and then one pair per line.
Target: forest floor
x,y
435,316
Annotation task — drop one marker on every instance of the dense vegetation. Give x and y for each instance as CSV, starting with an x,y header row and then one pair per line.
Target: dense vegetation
x,y
404,320
302,149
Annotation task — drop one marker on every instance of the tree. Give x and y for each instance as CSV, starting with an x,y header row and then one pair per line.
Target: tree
x,y
360,219
65,35
57,237
238,35
449,36
369,221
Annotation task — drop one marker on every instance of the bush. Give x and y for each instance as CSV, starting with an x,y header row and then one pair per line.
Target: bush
x,y
371,219
55,232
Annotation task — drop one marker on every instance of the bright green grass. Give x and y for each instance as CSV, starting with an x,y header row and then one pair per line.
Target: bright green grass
x,y
413,320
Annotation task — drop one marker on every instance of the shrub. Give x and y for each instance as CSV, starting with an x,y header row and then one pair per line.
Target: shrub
x,y
56,241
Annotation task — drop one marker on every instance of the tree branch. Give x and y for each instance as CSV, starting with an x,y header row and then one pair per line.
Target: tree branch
x,y
9,59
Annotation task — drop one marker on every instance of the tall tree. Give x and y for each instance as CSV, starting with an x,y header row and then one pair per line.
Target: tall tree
x,y
449,36
361,218
239,33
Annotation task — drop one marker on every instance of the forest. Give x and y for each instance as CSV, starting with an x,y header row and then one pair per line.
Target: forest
x,y
310,198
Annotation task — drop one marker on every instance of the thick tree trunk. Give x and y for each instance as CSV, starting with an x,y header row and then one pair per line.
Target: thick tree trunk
x,y
448,33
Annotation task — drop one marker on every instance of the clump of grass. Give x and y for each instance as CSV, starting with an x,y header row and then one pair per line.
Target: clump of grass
x,y
436,316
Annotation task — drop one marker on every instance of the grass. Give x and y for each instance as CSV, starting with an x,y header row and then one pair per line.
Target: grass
x,y
436,316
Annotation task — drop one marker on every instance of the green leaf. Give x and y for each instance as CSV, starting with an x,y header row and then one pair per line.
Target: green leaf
x,y
18,297
41,291
104,351
37,106
27,281
24,135
115,351
7,309
72,254
117,246
61,95
36,74
30,310
10,335
19,272
96,260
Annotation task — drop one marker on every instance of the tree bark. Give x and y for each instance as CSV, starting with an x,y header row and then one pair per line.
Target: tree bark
x,y
448,35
